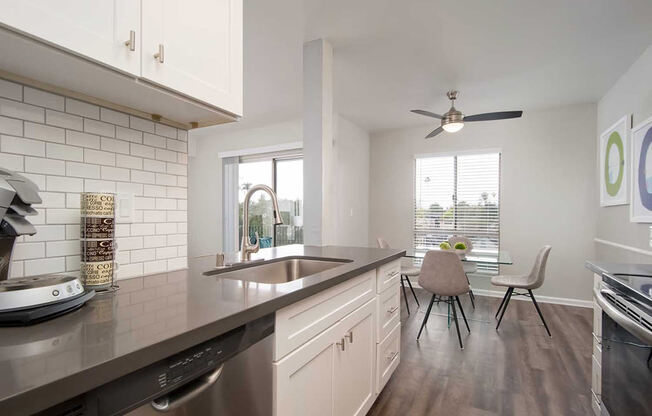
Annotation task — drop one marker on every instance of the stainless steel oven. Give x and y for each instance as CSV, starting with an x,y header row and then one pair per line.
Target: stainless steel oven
x,y
626,349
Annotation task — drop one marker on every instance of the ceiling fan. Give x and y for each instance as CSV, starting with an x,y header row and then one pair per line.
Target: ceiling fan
x,y
453,120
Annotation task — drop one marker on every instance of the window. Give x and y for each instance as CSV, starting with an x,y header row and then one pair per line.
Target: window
x,y
284,174
458,195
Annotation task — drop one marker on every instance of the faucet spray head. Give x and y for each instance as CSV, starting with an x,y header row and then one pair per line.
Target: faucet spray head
x,y
277,218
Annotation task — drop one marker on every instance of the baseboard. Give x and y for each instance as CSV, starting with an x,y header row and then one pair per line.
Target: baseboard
x,y
540,298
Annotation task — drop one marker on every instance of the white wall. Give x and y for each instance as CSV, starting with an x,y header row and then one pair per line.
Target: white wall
x,y
205,176
351,184
632,94
548,189
66,147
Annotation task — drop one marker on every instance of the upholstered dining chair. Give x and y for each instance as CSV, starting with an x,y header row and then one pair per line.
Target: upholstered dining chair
x,y
529,282
406,273
469,267
442,275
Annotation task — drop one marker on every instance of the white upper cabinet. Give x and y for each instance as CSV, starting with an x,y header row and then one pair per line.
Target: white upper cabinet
x,y
96,30
195,48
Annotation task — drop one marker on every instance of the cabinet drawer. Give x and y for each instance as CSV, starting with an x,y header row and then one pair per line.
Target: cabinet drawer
x,y
597,349
387,275
597,320
595,404
299,322
388,305
596,376
388,355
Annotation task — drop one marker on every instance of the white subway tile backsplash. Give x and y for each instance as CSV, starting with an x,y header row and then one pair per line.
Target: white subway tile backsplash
x,y
46,166
99,157
23,251
142,177
64,152
45,132
62,248
135,189
11,126
142,151
11,162
13,144
67,146
77,138
115,174
15,109
92,185
43,99
114,117
99,127
154,166
11,90
45,266
63,216
131,162
67,121
82,170
154,140
115,146
166,155
154,241
81,108
165,179
129,135
64,184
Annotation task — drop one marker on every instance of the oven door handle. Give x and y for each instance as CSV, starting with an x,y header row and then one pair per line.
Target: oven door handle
x,y
622,319
188,392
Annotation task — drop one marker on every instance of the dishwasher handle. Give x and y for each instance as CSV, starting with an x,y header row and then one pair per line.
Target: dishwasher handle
x,y
185,393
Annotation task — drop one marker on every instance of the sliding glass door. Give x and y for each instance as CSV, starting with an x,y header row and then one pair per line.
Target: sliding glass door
x,y
284,174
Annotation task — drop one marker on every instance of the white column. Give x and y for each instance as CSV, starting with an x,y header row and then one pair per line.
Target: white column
x,y
317,142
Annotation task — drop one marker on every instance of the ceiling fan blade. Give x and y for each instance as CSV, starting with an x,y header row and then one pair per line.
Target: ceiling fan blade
x,y
427,113
500,115
435,132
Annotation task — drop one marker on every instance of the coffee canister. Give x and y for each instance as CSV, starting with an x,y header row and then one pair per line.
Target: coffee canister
x,y
97,239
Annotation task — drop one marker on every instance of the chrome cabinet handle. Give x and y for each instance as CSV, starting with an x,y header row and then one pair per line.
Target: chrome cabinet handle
x,y
392,310
160,55
391,356
187,392
131,43
349,336
342,344
392,274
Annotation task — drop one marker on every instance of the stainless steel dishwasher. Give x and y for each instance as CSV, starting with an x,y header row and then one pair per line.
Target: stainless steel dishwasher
x,y
227,375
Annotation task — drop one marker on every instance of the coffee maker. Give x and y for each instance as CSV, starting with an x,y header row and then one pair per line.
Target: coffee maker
x,y
17,195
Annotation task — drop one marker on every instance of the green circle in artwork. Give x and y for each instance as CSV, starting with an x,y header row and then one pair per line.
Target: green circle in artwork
x,y
614,140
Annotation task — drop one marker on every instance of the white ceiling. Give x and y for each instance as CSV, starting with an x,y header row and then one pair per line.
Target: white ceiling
x,y
392,56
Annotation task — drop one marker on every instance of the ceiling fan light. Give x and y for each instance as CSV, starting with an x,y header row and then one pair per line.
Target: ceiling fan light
x,y
453,127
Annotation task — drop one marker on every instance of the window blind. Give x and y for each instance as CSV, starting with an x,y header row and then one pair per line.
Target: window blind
x,y
458,195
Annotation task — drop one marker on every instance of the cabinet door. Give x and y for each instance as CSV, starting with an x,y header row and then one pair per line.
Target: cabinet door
x,y
198,44
303,380
354,365
94,29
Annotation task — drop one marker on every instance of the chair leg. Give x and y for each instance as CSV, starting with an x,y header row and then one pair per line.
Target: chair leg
x,y
412,289
502,313
536,305
457,298
425,318
405,296
457,325
471,295
502,303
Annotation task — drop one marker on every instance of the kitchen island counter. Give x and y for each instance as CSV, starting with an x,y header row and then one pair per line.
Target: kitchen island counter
x,y
148,319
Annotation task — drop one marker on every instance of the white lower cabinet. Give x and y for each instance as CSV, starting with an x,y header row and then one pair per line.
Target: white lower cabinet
x,y
596,359
333,373
336,350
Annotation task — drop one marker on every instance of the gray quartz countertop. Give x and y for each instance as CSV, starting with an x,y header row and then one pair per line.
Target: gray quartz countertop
x,y
150,318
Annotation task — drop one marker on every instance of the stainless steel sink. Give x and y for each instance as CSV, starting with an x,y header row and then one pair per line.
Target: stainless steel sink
x,y
281,270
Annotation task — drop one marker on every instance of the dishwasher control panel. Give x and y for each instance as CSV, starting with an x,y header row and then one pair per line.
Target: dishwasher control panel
x,y
190,364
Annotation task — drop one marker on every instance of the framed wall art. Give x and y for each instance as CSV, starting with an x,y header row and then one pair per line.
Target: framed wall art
x,y
641,208
614,164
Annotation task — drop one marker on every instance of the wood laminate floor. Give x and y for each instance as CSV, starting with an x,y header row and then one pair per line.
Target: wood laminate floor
x,y
517,370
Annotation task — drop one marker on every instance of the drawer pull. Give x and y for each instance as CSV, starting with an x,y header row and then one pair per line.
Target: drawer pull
x,y
391,356
131,43
160,55
392,273
349,336
392,310
342,344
